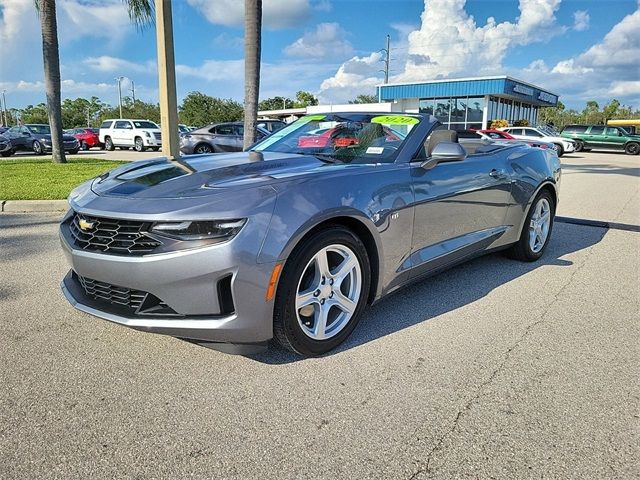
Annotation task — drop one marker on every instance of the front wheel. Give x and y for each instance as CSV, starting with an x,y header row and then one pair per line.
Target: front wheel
x,y
632,148
7,153
579,145
138,145
536,230
74,151
37,148
84,146
323,289
559,149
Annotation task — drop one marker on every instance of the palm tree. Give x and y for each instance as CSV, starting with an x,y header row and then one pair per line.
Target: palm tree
x,y
140,13
252,47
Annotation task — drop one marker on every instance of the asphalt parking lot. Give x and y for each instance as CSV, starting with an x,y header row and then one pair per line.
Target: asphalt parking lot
x,y
495,369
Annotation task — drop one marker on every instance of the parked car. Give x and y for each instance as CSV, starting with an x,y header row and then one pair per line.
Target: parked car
x,y
563,145
6,148
271,125
126,133
217,138
87,137
36,138
339,137
631,126
234,249
501,135
3,129
587,137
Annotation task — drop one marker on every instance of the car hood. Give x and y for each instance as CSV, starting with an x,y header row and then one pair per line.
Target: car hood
x,y
200,175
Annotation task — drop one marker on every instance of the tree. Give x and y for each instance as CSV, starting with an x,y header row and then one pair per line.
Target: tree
x,y
610,109
51,57
364,98
275,103
34,114
200,109
140,13
252,51
304,99
81,112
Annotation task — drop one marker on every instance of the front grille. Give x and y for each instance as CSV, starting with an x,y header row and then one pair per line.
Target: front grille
x,y
125,237
137,301
157,135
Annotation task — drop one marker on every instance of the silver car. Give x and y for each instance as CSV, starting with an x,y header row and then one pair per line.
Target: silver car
x,y
292,239
217,138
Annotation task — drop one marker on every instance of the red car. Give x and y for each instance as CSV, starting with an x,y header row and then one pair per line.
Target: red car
x,y
338,137
496,134
88,137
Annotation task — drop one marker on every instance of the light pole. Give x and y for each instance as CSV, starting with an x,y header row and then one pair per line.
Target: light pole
x,y
4,108
119,79
133,91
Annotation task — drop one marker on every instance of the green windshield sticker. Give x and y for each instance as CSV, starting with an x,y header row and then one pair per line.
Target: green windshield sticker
x,y
395,120
311,118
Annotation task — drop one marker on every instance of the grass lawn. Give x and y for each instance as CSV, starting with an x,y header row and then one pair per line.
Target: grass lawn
x,y
40,179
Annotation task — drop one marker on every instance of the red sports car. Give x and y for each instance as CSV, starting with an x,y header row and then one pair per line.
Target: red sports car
x,y
337,137
88,137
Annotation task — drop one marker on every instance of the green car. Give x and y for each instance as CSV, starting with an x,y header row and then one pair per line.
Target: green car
x,y
602,136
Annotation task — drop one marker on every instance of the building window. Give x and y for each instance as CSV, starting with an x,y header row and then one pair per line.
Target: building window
x,y
441,110
475,109
426,106
458,110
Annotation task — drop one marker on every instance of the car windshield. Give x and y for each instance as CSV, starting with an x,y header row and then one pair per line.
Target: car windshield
x,y
343,137
145,124
39,129
548,130
94,130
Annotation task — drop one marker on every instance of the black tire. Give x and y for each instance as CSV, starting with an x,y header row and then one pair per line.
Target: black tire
x,y
632,148
202,148
522,249
84,146
287,331
7,153
560,150
37,148
155,149
579,145
586,149
108,144
74,151
138,144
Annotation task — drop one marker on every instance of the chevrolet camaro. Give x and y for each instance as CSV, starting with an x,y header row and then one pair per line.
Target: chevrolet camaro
x,y
291,241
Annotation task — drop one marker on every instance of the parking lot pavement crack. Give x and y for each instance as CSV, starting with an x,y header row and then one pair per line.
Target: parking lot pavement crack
x,y
426,468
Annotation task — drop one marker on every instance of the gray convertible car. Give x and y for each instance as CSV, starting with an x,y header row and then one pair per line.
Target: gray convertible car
x,y
292,239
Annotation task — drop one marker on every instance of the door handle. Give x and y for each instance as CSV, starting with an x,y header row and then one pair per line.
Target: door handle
x,y
497,174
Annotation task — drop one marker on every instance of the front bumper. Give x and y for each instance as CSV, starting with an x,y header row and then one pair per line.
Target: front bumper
x,y
188,282
67,146
151,141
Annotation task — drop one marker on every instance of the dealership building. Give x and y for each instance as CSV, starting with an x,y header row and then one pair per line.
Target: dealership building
x,y
469,102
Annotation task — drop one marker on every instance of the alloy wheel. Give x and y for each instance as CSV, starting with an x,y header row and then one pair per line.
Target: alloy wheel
x,y
328,292
539,225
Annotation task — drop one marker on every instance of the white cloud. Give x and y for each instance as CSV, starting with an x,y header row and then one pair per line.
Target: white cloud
x,y
569,67
323,6
214,70
625,88
276,14
327,40
357,75
581,20
107,64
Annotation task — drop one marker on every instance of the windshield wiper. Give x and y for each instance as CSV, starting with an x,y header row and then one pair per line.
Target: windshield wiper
x,y
325,157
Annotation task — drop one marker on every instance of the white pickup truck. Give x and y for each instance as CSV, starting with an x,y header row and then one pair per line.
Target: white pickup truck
x,y
139,134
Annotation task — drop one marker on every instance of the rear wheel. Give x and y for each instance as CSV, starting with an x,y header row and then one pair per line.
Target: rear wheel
x,y
559,148
536,230
579,145
7,153
85,145
203,148
108,144
322,292
632,148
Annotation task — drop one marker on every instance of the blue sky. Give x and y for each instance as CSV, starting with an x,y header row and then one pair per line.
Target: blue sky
x,y
579,49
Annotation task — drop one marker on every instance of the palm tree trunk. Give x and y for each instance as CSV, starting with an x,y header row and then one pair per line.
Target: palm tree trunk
x,y
49,27
252,47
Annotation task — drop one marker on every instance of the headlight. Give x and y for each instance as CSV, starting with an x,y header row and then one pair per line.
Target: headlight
x,y
45,140
220,230
147,134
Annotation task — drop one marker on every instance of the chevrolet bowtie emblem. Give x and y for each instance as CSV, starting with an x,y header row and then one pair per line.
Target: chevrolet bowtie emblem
x,y
84,225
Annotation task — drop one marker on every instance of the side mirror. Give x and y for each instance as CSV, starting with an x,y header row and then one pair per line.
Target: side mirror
x,y
445,152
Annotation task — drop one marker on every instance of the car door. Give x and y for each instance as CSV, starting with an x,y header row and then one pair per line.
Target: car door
x,y
225,138
17,140
238,137
614,138
460,209
595,137
121,131
531,134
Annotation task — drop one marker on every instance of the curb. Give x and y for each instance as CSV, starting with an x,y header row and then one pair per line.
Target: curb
x,y
25,206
